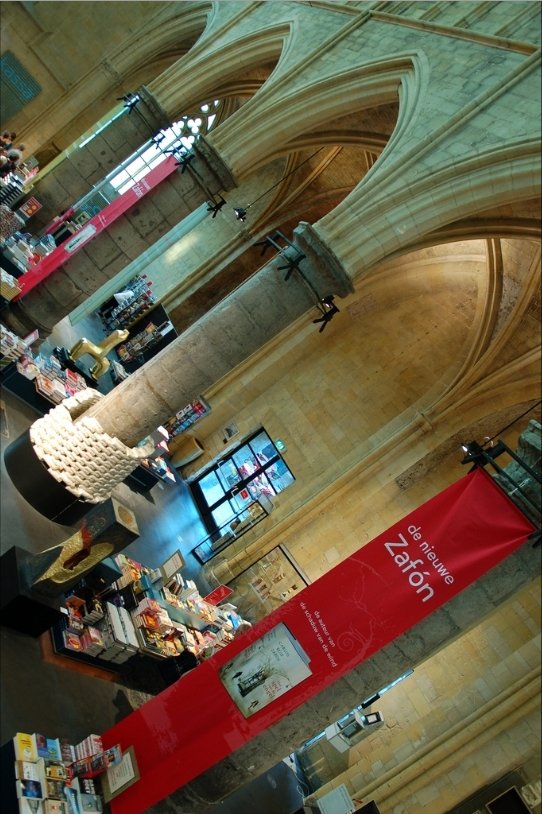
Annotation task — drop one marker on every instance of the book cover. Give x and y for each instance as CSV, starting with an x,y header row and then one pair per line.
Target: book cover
x,y
29,770
30,806
55,770
72,800
54,789
40,742
53,749
265,670
55,807
24,746
29,788
90,803
67,750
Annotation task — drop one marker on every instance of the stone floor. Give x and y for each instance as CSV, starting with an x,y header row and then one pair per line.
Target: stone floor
x,y
41,692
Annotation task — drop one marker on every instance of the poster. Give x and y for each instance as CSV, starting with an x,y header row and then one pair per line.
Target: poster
x,y
330,627
265,670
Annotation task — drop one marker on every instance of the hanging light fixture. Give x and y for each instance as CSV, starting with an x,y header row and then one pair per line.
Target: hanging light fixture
x,y
240,213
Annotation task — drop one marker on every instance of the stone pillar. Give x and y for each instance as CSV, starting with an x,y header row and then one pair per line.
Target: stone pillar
x,y
89,444
127,238
408,651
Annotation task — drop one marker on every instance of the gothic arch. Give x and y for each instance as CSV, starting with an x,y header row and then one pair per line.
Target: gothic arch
x,y
217,74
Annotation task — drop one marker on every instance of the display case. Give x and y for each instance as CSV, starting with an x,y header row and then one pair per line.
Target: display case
x,y
148,336
237,525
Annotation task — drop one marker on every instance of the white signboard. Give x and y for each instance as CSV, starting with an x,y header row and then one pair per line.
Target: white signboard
x,y
337,801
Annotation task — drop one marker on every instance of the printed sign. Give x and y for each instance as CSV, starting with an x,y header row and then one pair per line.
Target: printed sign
x,y
265,670
94,226
327,629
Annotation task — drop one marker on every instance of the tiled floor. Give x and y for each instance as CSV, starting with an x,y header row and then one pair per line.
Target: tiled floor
x,y
38,694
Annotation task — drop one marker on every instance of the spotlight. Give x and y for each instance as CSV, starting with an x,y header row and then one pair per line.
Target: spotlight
x,y
130,101
328,309
240,213
474,454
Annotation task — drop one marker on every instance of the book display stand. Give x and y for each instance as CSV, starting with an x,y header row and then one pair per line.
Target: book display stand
x,y
144,612
33,585
44,775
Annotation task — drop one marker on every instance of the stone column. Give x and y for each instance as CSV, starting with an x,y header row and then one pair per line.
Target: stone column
x,y
408,651
88,444
193,184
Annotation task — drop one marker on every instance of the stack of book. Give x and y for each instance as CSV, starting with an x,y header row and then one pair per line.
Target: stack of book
x,y
46,780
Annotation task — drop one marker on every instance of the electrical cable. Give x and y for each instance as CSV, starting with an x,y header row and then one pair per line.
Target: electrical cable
x,y
488,440
295,169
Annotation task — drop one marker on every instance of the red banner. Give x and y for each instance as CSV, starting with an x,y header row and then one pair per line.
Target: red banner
x,y
325,631
94,226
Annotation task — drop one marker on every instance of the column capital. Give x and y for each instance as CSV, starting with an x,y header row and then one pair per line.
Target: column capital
x,y
218,175
322,268
153,107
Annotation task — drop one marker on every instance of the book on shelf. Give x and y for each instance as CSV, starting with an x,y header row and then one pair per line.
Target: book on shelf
x,y
72,800
90,803
40,744
25,746
30,770
30,806
55,807
93,765
53,749
67,750
55,770
91,745
25,787
54,789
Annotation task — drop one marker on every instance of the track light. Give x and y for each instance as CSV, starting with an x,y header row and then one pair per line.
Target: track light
x,y
328,309
240,213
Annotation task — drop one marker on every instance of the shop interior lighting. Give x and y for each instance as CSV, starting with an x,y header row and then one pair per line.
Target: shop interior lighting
x,y
327,309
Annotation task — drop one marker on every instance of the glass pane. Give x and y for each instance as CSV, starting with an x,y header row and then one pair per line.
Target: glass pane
x,y
260,486
135,165
126,187
141,174
211,489
222,515
228,474
158,160
246,461
150,153
241,499
279,475
263,447
119,179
